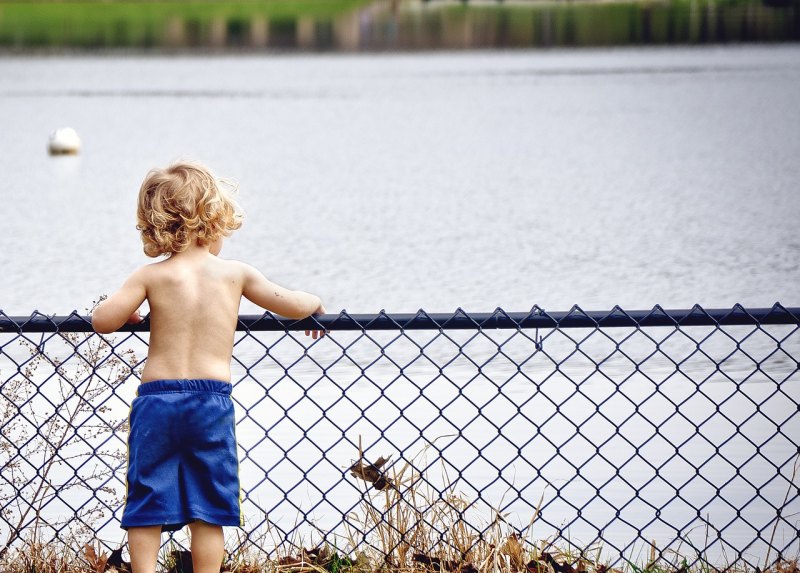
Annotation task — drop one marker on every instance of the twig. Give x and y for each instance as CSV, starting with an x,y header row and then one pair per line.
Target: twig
x,y
778,517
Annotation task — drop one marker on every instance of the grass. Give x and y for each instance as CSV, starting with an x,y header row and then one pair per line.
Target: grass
x,y
504,555
131,23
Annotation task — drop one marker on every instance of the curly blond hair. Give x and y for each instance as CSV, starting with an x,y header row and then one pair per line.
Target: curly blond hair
x,y
181,204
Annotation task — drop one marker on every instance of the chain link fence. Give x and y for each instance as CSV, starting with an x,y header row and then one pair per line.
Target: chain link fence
x,y
671,432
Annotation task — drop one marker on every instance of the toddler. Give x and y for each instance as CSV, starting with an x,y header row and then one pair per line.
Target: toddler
x,y
182,459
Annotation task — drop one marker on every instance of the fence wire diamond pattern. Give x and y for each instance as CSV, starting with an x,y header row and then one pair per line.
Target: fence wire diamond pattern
x,y
677,428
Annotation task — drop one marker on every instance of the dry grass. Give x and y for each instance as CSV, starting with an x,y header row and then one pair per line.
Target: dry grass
x,y
508,555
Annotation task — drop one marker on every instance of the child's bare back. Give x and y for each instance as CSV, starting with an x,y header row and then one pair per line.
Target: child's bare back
x,y
194,301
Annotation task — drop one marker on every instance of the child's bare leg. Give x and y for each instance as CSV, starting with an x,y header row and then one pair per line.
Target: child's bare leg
x,y
208,547
144,543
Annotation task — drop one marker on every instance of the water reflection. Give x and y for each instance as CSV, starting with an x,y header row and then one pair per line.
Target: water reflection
x,y
396,24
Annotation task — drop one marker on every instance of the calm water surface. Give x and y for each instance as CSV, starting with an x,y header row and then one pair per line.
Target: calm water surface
x,y
629,177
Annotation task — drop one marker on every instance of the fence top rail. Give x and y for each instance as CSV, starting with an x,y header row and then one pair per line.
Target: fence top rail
x,y
459,320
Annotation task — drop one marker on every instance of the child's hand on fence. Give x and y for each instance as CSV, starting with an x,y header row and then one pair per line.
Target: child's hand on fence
x,y
317,333
135,318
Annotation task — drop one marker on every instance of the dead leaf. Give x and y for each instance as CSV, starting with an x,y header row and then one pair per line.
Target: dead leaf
x,y
96,563
371,472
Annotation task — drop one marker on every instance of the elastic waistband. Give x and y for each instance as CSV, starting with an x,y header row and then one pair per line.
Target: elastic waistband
x,y
184,385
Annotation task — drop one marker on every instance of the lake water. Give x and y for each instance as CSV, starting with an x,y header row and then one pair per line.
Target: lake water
x,y
590,177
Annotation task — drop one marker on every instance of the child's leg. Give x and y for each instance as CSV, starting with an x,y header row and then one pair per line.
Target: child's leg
x,y
144,543
208,547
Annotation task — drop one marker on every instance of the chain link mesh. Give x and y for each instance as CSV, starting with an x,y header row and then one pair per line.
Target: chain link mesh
x,y
676,429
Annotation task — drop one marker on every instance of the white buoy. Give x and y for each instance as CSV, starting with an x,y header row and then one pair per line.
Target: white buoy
x,y
64,141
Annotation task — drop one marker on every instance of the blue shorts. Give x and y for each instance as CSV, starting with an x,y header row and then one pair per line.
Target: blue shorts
x,y
182,458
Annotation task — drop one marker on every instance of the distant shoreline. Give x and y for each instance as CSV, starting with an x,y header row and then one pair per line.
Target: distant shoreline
x,y
260,26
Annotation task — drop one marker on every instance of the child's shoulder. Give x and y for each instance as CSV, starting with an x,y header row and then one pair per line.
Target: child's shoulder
x,y
147,274
151,269
240,271
244,270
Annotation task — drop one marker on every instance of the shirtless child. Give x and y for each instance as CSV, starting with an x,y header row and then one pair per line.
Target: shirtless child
x,y
182,462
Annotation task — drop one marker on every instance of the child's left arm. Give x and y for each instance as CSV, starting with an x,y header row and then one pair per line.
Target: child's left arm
x,y
122,306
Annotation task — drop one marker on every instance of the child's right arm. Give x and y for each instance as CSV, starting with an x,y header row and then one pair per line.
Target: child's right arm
x,y
266,294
